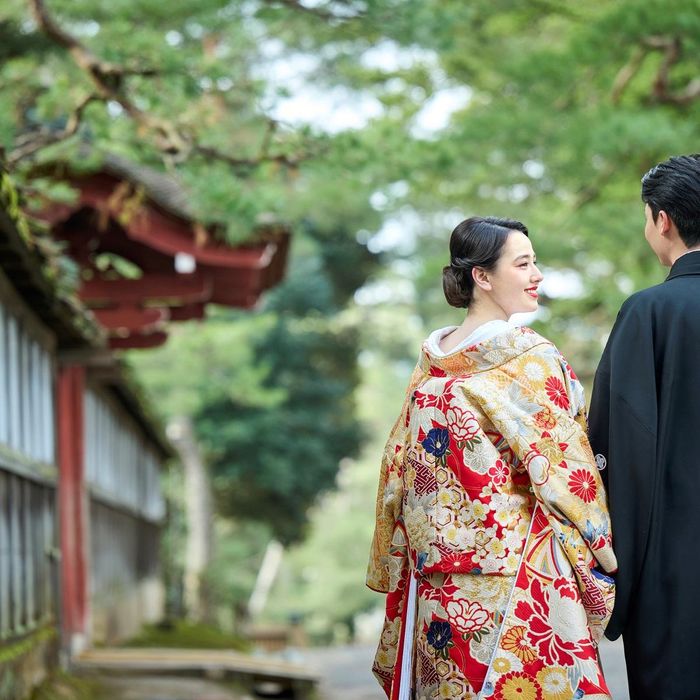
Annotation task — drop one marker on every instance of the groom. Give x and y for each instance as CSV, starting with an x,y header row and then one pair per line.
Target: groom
x,y
645,426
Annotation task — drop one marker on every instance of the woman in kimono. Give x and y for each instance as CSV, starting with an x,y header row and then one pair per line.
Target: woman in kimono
x,y
492,539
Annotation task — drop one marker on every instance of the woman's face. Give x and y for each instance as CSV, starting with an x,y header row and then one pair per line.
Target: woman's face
x,y
515,278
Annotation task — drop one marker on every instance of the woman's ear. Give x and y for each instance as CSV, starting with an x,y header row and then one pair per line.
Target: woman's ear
x,y
481,278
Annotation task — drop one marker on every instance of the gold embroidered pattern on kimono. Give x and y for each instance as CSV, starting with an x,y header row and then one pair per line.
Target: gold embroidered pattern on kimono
x,y
491,509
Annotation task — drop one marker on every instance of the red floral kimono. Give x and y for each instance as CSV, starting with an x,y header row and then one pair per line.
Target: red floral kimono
x,y
493,536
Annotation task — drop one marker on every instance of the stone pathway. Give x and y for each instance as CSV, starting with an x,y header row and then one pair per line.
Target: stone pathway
x,y
345,671
168,688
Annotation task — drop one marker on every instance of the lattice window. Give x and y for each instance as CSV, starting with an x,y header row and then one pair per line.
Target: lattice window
x,y
121,466
27,546
26,391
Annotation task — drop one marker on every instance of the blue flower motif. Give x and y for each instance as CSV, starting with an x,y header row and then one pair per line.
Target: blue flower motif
x,y
601,576
437,441
439,634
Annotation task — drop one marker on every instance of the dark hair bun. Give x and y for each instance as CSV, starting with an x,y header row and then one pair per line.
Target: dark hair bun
x,y
475,242
457,293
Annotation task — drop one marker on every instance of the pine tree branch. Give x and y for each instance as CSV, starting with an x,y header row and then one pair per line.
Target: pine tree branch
x,y
672,48
176,142
34,141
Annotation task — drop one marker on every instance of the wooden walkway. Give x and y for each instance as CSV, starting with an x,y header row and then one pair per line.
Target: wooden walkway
x,y
248,670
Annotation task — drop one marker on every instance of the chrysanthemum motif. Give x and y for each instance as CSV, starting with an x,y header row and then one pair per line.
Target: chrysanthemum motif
x,y
556,392
515,641
555,683
517,686
582,484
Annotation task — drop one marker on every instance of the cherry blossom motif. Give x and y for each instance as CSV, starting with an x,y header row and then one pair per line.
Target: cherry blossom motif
x,y
582,484
499,473
468,618
556,392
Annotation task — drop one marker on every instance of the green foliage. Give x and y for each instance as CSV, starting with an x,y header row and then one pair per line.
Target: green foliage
x,y
63,686
570,103
186,635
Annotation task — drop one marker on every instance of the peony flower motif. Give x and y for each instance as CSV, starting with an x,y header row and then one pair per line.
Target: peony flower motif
x,y
517,685
499,473
582,484
439,637
436,442
516,642
545,418
468,618
556,392
462,424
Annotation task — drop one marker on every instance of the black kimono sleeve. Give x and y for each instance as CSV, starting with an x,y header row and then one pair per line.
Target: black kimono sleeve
x,y
623,435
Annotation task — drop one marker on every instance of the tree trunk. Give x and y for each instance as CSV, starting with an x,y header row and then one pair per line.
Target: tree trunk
x,y
199,516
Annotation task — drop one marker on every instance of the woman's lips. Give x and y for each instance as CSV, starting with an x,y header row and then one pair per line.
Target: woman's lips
x,y
532,291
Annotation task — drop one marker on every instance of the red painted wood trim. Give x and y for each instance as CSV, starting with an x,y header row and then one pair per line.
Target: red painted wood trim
x,y
138,341
182,288
131,318
72,499
187,312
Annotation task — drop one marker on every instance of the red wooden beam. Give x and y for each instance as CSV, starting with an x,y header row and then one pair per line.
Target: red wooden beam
x,y
138,341
180,288
187,312
131,318
71,504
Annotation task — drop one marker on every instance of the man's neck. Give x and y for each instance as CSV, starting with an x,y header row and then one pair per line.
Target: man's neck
x,y
694,249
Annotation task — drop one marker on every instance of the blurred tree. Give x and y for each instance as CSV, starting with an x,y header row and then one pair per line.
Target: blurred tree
x,y
271,393
545,111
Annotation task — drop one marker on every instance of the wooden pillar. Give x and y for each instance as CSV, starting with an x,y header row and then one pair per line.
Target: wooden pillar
x,y
72,504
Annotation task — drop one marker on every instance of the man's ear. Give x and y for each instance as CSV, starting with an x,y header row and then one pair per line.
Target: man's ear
x,y
481,278
664,224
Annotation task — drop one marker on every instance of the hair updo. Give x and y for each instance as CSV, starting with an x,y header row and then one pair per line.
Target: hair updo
x,y
475,242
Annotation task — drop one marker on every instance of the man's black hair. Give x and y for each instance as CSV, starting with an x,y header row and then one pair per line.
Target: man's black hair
x,y
674,187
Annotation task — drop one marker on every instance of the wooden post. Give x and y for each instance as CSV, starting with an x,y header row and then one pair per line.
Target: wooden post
x,y
73,516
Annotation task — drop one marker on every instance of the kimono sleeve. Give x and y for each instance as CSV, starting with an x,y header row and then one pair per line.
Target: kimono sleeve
x,y
544,426
623,434
389,499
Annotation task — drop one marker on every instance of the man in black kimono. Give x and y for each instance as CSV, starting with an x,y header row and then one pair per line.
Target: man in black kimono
x,y
645,426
